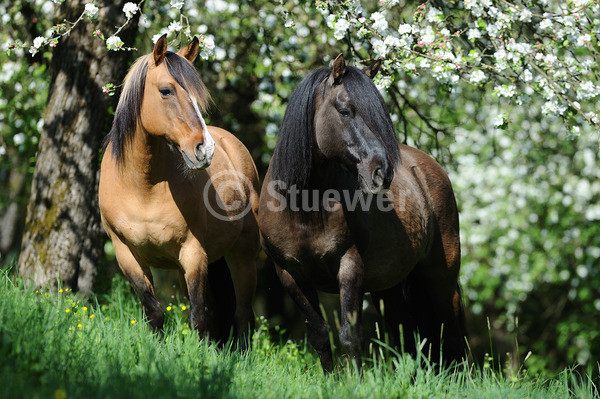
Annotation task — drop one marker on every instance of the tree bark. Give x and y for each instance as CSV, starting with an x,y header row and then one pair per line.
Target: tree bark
x,y
62,240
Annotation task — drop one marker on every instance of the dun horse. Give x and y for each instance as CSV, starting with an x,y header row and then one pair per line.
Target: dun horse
x,y
345,208
159,192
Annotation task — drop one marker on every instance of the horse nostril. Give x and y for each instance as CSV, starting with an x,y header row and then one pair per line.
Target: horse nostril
x,y
378,177
200,153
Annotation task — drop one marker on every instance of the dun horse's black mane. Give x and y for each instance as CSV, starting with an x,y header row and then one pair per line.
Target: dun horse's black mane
x,y
128,113
293,156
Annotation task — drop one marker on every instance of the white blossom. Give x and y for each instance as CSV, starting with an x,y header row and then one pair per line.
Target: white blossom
x,y
209,43
552,107
19,138
208,47
383,83
587,90
379,47
433,15
477,76
546,24
506,90
177,4
498,120
550,59
114,43
341,26
175,26
525,15
330,20
379,21
38,41
91,11
405,29
392,41
473,33
584,39
130,9
428,35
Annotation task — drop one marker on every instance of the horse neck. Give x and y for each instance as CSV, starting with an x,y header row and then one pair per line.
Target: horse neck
x,y
329,174
147,159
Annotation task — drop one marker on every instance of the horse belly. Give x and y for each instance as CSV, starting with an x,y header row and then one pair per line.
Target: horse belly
x,y
396,246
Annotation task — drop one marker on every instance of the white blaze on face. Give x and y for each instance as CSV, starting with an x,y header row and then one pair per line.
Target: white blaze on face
x,y
209,143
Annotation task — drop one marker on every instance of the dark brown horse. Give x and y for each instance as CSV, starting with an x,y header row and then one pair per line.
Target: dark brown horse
x,y
175,193
345,208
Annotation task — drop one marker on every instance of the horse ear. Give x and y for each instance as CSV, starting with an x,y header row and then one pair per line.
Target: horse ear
x,y
372,69
190,52
160,49
338,70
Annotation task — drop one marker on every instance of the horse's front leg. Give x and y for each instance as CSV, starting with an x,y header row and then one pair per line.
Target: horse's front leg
x,y
307,299
194,263
350,278
140,278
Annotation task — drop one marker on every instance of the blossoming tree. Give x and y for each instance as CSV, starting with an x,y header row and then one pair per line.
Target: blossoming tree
x,y
504,93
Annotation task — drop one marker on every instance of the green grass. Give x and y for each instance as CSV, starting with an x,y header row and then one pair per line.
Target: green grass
x,y
52,347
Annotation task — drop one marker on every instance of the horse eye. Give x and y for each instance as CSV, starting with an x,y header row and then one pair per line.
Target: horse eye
x,y
344,113
166,91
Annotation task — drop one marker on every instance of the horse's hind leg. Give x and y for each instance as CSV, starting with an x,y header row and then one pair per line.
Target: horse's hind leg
x,y
435,296
141,280
241,260
242,267
395,311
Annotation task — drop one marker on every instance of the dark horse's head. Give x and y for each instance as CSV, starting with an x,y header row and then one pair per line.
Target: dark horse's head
x,y
338,114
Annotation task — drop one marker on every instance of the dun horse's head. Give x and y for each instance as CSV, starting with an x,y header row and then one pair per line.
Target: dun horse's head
x,y
353,126
174,98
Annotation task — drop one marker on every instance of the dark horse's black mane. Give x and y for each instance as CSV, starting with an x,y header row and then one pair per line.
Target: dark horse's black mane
x,y
128,113
293,156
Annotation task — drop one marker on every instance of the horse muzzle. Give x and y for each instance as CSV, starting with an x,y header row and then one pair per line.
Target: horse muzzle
x,y
375,177
201,157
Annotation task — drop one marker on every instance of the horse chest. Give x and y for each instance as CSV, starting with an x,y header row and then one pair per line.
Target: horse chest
x,y
150,230
308,252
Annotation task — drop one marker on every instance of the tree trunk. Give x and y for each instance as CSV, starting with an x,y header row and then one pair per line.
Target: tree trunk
x,y
62,240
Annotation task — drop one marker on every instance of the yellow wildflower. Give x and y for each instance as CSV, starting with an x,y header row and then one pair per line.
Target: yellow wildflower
x,y
132,322
67,310
168,308
91,316
79,325
183,307
85,308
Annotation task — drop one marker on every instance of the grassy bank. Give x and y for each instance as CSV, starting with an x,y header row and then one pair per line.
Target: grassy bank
x,y
54,345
